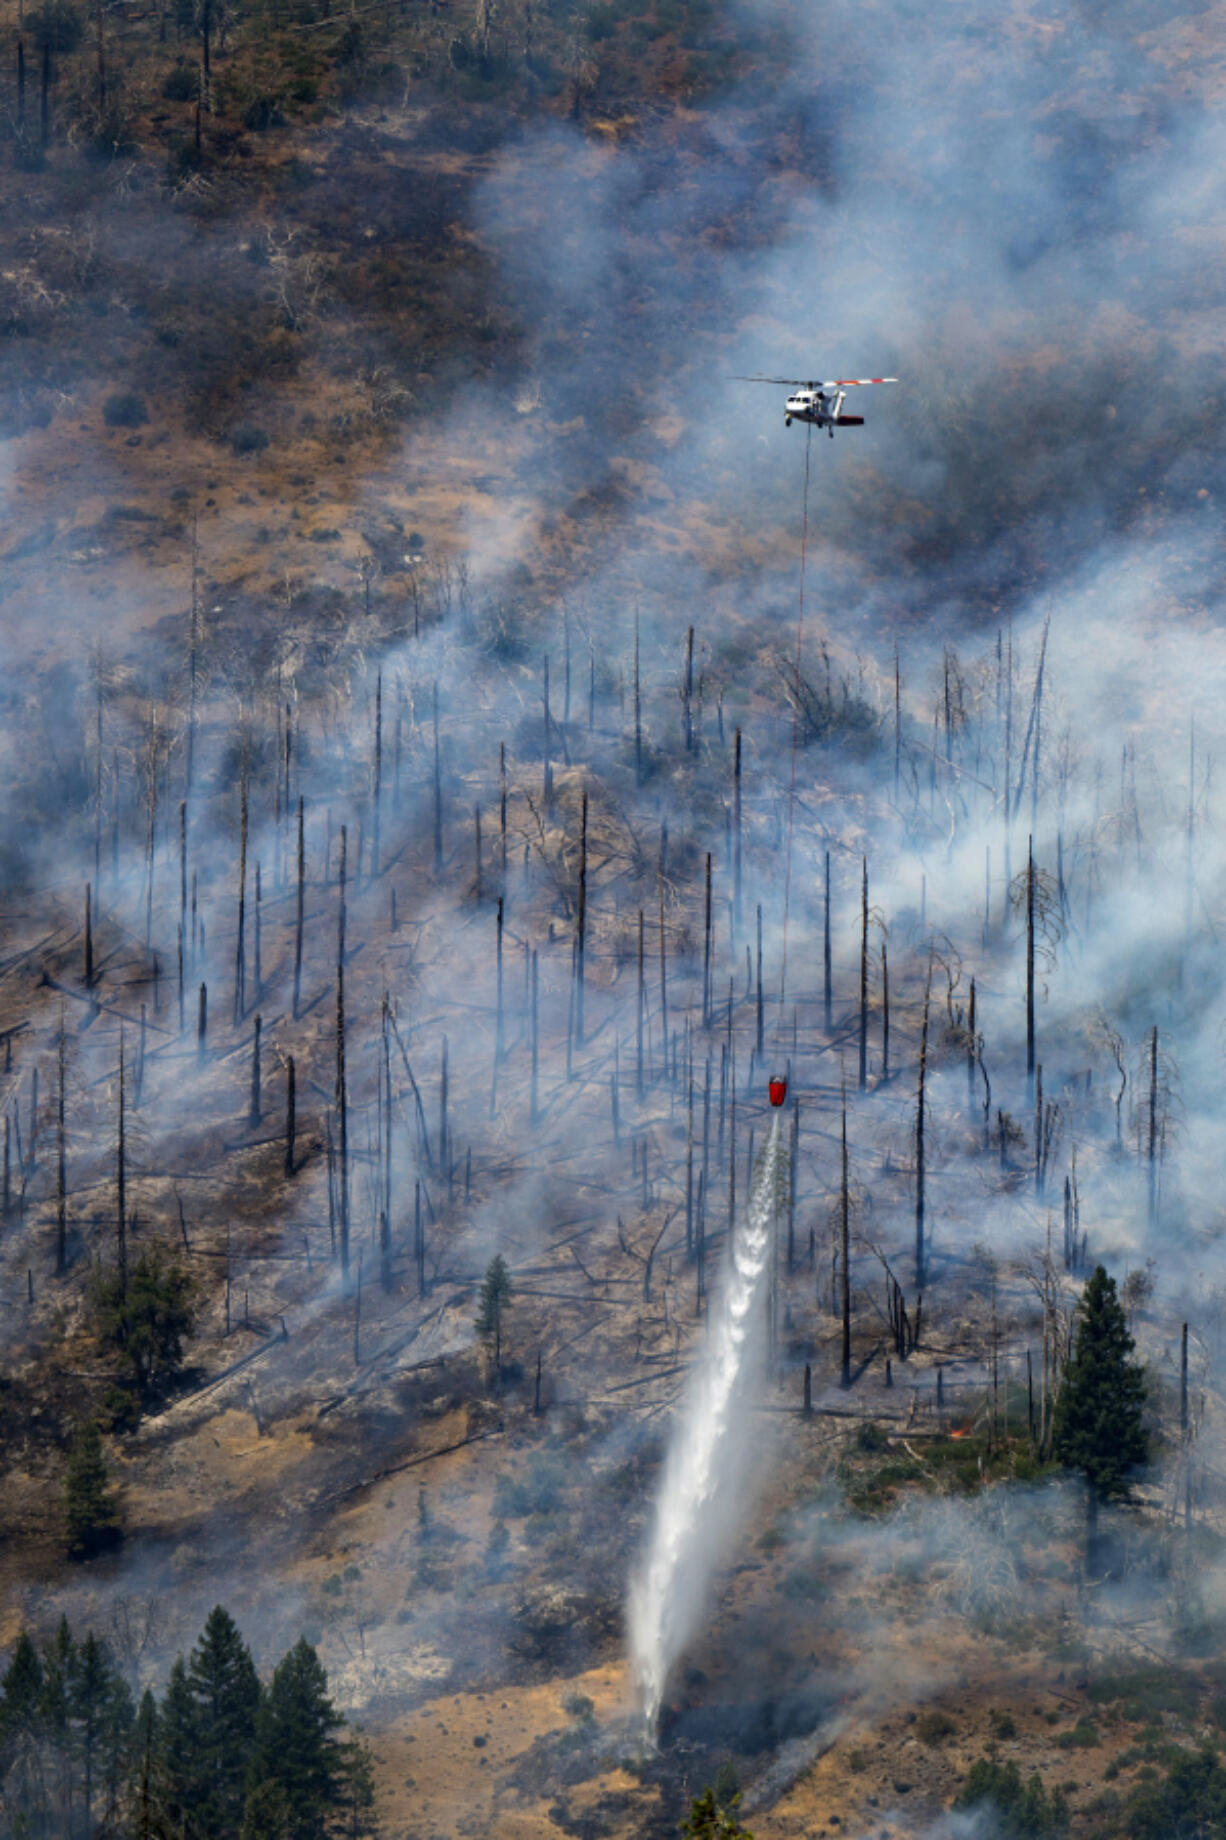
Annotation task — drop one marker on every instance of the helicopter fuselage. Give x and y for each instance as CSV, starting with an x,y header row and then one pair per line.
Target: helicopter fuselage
x,y
819,409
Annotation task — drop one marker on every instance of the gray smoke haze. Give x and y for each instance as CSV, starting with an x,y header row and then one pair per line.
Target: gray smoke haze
x,y
1020,219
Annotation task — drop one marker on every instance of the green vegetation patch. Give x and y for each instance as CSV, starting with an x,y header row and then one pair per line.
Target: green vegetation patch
x,y
1023,1811
1084,1736
1145,1695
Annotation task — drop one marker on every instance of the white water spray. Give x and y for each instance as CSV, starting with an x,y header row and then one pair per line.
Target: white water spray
x,y
698,1501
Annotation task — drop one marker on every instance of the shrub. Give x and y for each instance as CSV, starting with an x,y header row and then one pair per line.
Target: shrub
x,y
934,1727
262,113
125,410
247,439
182,84
1083,1737
870,1437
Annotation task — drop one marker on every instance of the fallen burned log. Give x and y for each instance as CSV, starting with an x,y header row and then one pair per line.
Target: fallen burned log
x,y
397,1469
226,1374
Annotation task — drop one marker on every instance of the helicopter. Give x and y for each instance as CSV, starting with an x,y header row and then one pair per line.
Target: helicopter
x,y
819,403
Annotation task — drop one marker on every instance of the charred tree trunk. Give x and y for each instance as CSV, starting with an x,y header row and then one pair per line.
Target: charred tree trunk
x,y
121,1181
291,1116
920,1247
1152,1150
736,827
61,1170
255,1108
845,1254
240,944
864,974
638,1013
438,791
828,983
581,924
638,706
300,913
760,1000
534,1103
1030,918
376,814
706,952
342,1091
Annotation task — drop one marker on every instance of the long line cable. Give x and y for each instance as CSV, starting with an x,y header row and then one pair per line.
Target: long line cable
x,y
800,627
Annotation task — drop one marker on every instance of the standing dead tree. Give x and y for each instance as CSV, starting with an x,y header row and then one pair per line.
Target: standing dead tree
x,y
1035,894
921,1249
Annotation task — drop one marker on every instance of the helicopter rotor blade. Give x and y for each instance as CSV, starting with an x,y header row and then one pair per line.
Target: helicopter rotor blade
x,y
850,383
805,383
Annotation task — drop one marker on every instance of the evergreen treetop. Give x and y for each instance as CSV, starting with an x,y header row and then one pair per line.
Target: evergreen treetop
x,y
225,1689
146,1314
494,1298
1098,1427
21,1689
709,1820
91,1515
296,1744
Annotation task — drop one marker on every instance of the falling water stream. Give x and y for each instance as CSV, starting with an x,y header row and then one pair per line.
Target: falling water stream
x,y
700,1499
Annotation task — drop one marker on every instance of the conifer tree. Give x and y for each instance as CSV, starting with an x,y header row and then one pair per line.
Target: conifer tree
x,y
495,1297
708,1820
296,1745
146,1801
222,1680
147,1315
90,1512
357,1819
1097,1426
100,1712
21,1733
266,1815
177,1747
60,1662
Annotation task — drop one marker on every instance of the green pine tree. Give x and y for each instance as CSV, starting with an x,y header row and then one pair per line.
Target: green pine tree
x,y
357,1817
90,1511
146,1315
177,1750
22,1734
707,1820
1097,1427
224,1685
296,1745
21,1689
101,1714
266,1815
146,1814
1020,1811
1190,1801
494,1299
60,1662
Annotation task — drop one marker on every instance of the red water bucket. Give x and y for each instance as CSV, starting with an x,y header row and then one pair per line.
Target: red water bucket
x,y
778,1089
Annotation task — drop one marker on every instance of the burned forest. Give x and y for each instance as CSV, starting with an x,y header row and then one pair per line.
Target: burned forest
x,y
611,1016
